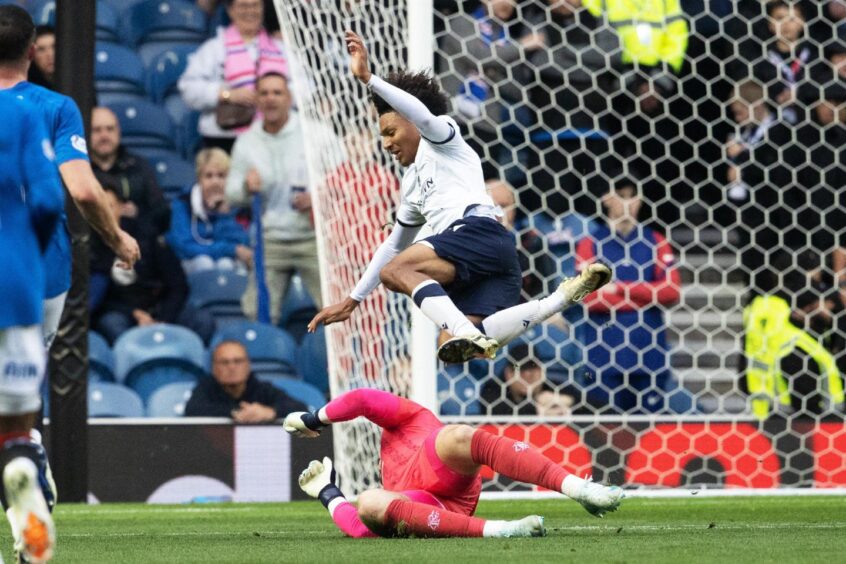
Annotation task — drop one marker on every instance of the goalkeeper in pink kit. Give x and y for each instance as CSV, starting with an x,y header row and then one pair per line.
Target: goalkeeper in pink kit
x,y
430,473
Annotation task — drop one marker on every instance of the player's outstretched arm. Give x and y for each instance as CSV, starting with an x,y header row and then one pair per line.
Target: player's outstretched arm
x,y
91,200
400,238
430,126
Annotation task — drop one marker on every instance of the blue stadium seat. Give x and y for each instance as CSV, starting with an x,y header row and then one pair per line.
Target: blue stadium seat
x,y
101,360
164,70
123,6
108,22
143,124
298,308
174,174
312,362
117,70
157,345
166,20
43,12
150,53
106,399
218,291
170,400
298,390
271,350
459,386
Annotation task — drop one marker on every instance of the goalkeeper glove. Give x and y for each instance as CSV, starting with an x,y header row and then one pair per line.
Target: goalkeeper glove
x,y
317,476
303,424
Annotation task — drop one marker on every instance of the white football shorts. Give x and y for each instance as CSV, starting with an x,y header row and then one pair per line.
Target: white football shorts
x,y
22,366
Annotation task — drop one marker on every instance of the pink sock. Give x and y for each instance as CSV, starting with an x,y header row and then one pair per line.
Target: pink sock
x,y
345,516
423,520
516,460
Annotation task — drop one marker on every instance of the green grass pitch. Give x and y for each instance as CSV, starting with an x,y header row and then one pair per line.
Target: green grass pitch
x,y
742,529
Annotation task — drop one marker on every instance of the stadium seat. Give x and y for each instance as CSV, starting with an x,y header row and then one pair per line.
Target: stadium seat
x,y
312,362
101,360
459,387
271,350
106,399
43,12
117,70
143,124
108,22
170,400
298,390
219,292
298,308
174,174
150,53
165,20
164,70
142,350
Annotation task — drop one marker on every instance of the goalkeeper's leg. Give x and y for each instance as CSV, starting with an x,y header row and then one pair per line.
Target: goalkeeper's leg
x,y
465,449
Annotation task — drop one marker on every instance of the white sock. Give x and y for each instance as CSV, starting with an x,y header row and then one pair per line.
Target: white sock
x,y
571,485
433,301
506,325
334,503
494,528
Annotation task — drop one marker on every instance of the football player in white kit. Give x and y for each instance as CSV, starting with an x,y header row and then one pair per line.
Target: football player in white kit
x,y
466,277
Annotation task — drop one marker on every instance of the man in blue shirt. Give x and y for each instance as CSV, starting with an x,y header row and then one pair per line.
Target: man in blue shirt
x,y
31,201
67,134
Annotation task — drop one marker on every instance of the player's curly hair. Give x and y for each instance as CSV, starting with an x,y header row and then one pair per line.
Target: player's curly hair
x,y
420,85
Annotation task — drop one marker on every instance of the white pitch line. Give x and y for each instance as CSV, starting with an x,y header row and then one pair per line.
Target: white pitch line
x,y
103,510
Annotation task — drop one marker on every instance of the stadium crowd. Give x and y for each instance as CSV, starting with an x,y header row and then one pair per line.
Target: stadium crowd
x,y
605,128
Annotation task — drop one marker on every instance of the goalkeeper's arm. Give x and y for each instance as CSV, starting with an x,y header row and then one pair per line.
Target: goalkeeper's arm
x,y
306,424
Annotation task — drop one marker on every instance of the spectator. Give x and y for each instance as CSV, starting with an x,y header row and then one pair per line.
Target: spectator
x,y
43,69
234,391
204,233
221,76
114,165
789,369
269,159
154,292
626,338
538,266
524,389
488,52
762,157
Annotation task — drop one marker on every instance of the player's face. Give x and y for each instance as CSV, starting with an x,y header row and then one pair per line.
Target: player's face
x,y
230,366
274,99
105,132
399,137
523,382
247,15
45,54
623,204
502,9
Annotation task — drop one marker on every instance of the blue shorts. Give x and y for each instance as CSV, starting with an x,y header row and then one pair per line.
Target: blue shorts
x,y
487,271
57,258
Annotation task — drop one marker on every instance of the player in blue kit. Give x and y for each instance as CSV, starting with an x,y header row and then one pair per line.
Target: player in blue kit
x,y
466,277
31,201
65,129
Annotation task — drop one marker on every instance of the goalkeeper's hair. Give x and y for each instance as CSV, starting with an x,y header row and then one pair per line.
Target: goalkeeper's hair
x,y
420,85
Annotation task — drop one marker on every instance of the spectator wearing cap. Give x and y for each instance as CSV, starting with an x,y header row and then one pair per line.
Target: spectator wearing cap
x,y
220,80
626,341
524,390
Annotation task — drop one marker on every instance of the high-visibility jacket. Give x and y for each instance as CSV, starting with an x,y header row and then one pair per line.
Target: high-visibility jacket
x,y
651,31
769,338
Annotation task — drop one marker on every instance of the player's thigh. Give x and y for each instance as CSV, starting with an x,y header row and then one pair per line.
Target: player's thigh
x,y
373,506
22,365
419,259
453,447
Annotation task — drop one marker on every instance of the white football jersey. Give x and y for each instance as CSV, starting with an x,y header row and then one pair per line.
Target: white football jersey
x,y
441,183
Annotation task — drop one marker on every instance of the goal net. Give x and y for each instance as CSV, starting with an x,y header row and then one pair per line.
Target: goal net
x,y
698,152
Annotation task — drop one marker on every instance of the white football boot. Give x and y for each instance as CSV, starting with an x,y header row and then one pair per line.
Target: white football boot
x,y
531,526
593,277
598,499
28,514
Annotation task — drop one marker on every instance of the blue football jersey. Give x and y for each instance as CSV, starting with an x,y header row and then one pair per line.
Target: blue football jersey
x,y
63,121
31,203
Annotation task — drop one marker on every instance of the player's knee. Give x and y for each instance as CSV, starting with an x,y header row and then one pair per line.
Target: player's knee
x,y
391,276
372,505
459,437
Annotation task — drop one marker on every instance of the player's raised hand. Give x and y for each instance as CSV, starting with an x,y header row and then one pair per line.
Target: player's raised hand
x,y
126,249
333,314
359,65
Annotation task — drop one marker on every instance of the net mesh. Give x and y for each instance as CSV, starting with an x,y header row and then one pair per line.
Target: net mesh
x,y
723,122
